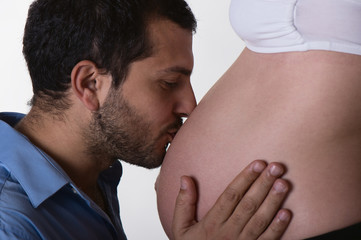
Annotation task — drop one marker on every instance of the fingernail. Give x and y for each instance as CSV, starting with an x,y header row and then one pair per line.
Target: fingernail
x,y
280,187
275,171
283,216
183,184
258,167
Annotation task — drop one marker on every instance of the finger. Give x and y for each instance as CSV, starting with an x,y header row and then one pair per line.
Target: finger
x,y
267,211
278,225
254,197
185,207
235,191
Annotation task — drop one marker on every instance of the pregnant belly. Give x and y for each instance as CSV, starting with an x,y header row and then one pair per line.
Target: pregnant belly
x,y
315,133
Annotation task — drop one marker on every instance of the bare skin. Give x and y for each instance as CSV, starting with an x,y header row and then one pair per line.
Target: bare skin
x,y
247,209
302,109
157,89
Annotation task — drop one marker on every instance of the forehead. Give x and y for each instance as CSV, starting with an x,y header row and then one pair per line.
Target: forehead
x,y
170,43
171,56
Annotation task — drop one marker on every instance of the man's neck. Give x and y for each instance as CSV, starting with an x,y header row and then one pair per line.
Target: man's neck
x,y
62,140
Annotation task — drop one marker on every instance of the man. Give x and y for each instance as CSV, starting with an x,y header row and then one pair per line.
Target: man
x,y
111,80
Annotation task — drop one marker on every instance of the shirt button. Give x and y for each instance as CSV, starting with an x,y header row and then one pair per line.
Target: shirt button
x,y
74,190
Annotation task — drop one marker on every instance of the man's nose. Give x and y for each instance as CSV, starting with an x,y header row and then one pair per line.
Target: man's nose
x,y
186,103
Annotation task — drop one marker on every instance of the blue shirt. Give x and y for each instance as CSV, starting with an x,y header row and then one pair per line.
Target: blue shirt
x,y
39,201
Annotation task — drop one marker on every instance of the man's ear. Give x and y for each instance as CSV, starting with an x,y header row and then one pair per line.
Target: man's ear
x,y
89,85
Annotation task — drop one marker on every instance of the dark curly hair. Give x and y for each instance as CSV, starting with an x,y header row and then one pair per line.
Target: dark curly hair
x,y
111,33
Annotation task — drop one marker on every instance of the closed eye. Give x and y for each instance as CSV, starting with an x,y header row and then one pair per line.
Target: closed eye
x,y
169,84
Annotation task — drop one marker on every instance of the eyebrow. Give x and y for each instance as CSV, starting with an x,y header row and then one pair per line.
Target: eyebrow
x,y
177,69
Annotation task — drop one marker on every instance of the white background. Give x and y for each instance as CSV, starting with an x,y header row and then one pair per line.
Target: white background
x,y
215,48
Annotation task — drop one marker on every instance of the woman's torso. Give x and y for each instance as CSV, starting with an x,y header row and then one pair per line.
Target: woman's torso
x,y
299,108
302,109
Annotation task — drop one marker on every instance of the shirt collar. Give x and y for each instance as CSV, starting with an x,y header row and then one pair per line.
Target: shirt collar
x,y
113,174
39,175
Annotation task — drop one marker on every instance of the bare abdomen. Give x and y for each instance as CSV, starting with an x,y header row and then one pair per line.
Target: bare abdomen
x,y
301,109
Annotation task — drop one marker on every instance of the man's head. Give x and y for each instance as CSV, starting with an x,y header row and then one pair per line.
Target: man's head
x,y
110,33
138,121
128,62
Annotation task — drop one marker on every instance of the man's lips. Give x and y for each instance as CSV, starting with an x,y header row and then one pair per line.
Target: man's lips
x,y
172,133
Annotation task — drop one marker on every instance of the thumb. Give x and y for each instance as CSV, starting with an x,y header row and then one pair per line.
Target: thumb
x,y
185,207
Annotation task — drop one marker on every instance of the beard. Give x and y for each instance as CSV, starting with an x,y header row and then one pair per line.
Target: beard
x,y
118,131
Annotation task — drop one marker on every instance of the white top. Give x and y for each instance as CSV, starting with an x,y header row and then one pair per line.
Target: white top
x,y
270,26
